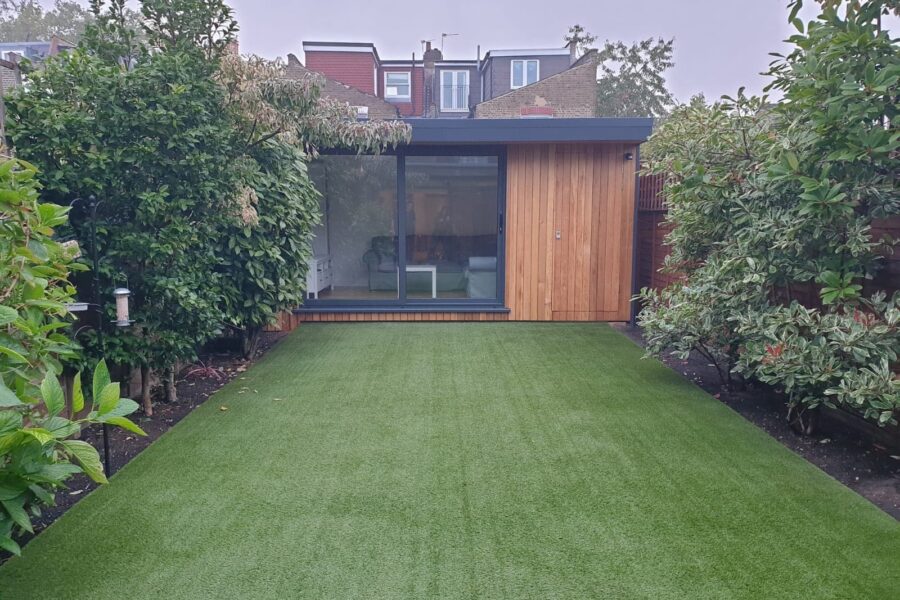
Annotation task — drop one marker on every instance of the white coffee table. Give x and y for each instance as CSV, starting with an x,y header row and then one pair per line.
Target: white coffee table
x,y
425,269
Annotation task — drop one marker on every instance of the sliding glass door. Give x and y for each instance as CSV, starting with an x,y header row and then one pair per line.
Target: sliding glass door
x,y
355,246
408,230
451,227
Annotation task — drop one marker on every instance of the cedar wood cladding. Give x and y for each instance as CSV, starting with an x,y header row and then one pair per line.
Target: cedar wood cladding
x,y
585,192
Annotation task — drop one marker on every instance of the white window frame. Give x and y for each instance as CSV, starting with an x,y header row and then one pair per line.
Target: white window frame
x,y
408,85
455,84
524,61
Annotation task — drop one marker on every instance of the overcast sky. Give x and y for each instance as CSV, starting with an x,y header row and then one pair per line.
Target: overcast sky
x,y
719,44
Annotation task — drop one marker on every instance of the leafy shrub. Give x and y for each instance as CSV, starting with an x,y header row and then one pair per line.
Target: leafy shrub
x,y
697,317
34,284
36,446
264,253
834,358
154,145
37,450
768,200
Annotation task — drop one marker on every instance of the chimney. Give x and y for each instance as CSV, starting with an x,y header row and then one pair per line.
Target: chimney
x,y
431,56
573,52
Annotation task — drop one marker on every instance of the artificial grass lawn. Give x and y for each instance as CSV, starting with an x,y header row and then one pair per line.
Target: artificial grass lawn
x,y
491,460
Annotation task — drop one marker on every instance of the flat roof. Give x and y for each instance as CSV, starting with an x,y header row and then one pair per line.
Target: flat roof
x,y
513,131
528,52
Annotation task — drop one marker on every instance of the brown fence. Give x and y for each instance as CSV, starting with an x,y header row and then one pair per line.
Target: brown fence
x,y
652,251
652,232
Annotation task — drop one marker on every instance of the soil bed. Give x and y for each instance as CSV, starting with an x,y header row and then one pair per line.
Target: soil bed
x,y
867,464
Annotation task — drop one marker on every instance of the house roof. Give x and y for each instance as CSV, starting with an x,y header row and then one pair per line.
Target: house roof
x,y
509,131
528,52
342,47
379,109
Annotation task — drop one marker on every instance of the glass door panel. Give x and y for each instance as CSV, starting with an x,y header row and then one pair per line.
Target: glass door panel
x,y
355,246
451,227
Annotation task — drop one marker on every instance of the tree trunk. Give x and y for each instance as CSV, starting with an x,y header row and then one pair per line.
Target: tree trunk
x,y
146,401
250,341
171,392
802,420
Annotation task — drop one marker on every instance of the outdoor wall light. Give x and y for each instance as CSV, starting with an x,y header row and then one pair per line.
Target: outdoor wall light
x,y
629,156
122,317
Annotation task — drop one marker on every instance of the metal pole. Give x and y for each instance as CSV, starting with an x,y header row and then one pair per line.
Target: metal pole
x,y
101,308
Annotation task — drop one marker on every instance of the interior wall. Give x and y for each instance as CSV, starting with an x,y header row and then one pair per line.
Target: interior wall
x,y
586,193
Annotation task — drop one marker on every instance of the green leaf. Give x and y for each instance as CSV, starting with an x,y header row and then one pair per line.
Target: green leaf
x,y
53,394
792,160
10,546
77,395
125,407
17,514
100,381
7,397
125,423
7,315
87,457
11,491
18,358
10,421
39,433
61,428
109,398
42,494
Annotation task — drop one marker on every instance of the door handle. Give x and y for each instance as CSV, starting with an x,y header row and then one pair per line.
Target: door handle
x,y
500,222
558,234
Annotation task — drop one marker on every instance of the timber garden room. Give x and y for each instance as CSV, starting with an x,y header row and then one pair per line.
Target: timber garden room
x,y
480,219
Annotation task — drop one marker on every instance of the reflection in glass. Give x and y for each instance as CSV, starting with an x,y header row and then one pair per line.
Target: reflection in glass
x,y
451,242
355,246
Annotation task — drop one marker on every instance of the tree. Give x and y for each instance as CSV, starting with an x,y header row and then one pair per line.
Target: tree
x,y
152,141
281,122
583,40
27,20
199,158
632,79
770,200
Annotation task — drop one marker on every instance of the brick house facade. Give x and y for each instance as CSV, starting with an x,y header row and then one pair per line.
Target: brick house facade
x,y
547,82
378,108
569,94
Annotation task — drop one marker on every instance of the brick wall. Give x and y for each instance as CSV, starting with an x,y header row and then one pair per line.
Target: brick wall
x,y
572,93
378,108
888,278
356,69
416,106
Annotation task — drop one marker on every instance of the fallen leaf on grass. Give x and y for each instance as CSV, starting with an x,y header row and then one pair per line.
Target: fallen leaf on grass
x,y
223,408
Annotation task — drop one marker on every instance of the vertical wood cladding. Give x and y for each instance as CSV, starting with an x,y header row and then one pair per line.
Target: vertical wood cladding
x,y
585,194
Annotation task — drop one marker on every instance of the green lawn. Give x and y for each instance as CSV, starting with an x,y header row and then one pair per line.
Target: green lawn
x,y
464,461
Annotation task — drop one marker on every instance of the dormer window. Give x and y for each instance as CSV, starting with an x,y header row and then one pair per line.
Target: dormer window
x,y
396,86
524,72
